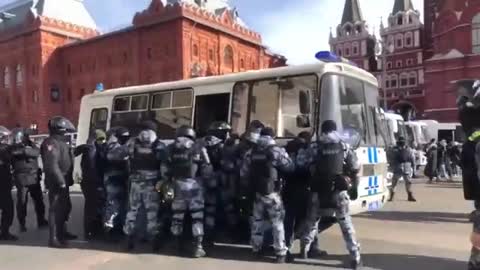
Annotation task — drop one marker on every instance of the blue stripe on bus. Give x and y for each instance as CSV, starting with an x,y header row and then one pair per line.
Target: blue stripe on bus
x,y
375,155
370,158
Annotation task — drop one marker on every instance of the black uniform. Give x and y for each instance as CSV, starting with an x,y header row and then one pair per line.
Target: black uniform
x,y
92,188
6,201
27,180
57,160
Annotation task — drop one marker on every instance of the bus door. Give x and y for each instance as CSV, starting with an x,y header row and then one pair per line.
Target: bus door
x,y
210,108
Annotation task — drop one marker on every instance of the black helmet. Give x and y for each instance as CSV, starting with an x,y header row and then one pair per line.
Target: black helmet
x,y
186,131
220,125
256,124
19,135
329,126
4,133
60,125
122,134
149,124
220,130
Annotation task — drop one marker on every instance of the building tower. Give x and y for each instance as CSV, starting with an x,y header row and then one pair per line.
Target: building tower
x,y
352,40
405,71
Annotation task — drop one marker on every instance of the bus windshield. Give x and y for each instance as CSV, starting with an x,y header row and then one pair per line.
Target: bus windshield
x,y
275,102
344,100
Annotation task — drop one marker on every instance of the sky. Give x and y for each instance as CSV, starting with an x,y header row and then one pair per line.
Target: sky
x,y
294,28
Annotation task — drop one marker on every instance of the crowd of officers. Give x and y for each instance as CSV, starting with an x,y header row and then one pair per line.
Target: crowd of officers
x,y
139,187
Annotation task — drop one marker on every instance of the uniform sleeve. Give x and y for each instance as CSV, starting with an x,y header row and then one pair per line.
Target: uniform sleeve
x,y
118,153
245,166
80,150
206,168
17,152
51,158
352,165
282,160
477,159
32,151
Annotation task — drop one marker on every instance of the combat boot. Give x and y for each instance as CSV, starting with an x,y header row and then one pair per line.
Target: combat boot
x,y
23,228
54,241
130,242
411,198
303,253
68,235
356,264
280,259
158,242
198,251
392,195
7,236
290,258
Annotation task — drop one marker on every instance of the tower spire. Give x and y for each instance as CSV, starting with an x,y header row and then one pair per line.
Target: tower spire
x,y
352,12
402,5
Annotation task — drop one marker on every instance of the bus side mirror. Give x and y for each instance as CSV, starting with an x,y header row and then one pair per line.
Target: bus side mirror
x,y
303,121
304,102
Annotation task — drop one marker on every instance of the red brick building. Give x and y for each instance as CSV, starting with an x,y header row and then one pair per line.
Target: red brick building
x,y
50,58
455,51
402,37
403,42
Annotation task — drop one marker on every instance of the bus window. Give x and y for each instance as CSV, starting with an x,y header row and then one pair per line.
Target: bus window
x,y
274,102
172,110
139,103
240,107
98,120
353,109
121,104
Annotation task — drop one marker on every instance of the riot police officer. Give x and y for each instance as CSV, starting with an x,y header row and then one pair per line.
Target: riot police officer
x,y
219,190
334,167
6,200
189,164
115,179
403,163
57,159
146,153
92,183
262,167
25,156
468,103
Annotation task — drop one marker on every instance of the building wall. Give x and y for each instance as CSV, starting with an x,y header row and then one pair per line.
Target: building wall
x,y
454,57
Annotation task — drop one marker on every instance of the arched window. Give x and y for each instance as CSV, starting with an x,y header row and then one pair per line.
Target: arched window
x,y
348,30
195,50
346,50
339,50
394,81
358,29
412,79
476,34
399,41
400,20
6,77
242,64
403,79
228,57
19,74
355,46
408,39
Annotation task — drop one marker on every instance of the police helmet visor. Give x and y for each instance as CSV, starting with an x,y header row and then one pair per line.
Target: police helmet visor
x,y
61,124
4,131
351,137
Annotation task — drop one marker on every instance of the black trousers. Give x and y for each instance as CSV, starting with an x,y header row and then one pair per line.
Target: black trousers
x,y
35,192
6,207
93,209
59,211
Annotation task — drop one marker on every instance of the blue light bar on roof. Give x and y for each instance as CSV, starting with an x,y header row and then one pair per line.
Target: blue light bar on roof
x,y
329,57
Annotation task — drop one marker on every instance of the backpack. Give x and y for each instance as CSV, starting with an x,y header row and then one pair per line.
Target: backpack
x,y
263,174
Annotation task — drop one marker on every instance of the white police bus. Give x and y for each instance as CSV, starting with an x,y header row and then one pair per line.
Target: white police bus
x,y
289,99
